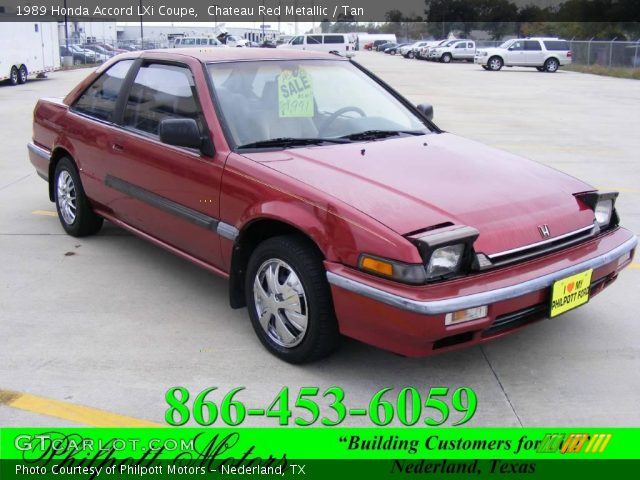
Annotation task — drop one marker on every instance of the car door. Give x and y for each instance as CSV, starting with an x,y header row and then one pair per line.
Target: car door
x,y
170,193
458,50
533,53
470,51
515,53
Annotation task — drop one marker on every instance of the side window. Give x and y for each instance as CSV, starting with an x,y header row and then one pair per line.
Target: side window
x,y
297,41
188,41
160,92
99,100
314,39
517,46
334,39
532,45
469,45
461,45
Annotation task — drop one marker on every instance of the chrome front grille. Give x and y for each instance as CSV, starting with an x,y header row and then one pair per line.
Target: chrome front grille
x,y
507,257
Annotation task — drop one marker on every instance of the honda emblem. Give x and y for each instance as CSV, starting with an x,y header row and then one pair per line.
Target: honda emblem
x,y
544,230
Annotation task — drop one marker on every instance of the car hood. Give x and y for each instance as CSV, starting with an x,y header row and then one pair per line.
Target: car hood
x,y
412,183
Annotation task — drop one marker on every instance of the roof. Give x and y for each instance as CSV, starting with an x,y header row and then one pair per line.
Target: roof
x,y
221,54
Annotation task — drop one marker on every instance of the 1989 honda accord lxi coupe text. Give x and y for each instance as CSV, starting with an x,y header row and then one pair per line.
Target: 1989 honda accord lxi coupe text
x,y
332,204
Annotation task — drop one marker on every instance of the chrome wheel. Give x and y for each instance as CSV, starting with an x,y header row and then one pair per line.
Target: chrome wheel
x,y
13,76
552,65
22,78
281,303
66,197
495,64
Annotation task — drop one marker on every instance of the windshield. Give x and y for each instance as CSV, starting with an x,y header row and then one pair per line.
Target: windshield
x,y
262,101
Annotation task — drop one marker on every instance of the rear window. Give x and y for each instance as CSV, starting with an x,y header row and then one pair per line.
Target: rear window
x,y
556,45
334,39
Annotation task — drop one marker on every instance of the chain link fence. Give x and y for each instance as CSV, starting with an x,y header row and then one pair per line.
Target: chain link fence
x,y
606,53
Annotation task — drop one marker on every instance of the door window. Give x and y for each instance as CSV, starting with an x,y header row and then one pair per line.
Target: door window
x,y
160,92
99,100
297,40
532,45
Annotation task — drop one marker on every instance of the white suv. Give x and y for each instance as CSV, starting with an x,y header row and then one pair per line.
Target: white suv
x,y
545,54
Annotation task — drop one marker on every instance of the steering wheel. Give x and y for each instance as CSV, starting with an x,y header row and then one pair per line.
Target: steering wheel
x,y
338,113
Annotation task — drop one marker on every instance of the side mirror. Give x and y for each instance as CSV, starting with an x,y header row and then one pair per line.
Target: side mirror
x,y
181,132
426,109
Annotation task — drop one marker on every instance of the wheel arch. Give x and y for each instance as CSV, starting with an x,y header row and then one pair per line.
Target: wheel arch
x,y
57,154
250,236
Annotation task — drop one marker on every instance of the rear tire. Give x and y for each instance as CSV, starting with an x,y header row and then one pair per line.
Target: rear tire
x,y
74,211
304,328
495,64
13,76
551,65
22,74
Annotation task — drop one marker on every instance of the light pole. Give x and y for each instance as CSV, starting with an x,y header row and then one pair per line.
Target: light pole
x,y
141,30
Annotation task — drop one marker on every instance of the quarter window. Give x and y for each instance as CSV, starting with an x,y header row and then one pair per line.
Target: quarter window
x,y
160,92
557,45
99,100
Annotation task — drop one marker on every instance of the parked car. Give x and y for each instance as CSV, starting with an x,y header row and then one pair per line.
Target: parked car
x,y
80,55
409,51
458,50
383,46
189,42
545,54
268,44
321,42
100,51
393,50
423,52
301,177
379,42
368,46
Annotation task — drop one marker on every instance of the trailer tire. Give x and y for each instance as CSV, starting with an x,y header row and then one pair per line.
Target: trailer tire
x,y
13,76
22,74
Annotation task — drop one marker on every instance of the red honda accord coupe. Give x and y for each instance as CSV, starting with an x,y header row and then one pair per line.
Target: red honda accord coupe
x,y
332,204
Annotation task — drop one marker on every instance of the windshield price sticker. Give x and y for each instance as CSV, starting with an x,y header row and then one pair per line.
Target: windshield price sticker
x,y
295,94
408,406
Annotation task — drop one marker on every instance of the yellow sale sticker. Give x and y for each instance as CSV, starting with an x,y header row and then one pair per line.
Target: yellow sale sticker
x,y
295,94
570,292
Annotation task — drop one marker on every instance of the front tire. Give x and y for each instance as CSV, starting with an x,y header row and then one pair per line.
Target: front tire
x,y
446,58
485,67
411,55
289,300
495,64
22,74
74,211
551,65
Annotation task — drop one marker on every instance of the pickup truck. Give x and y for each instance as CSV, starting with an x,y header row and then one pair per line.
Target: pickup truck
x,y
460,50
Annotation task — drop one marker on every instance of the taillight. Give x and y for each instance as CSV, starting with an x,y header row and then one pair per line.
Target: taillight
x,y
569,54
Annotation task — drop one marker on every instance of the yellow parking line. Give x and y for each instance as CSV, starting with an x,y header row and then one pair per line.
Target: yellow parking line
x,y
635,265
45,213
69,411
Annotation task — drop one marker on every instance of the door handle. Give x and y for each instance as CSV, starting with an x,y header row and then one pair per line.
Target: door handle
x,y
116,147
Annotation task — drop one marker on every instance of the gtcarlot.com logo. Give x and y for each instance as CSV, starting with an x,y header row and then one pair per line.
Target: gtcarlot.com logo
x,y
574,443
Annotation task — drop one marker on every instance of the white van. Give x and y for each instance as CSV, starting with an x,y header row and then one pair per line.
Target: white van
x,y
321,42
188,42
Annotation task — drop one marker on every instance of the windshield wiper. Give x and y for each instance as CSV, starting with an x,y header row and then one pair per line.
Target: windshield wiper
x,y
292,142
373,134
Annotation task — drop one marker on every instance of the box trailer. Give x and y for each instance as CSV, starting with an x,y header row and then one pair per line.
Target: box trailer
x,y
28,48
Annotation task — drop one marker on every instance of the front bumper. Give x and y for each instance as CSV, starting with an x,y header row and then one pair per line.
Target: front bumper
x,y
410,320
481,60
